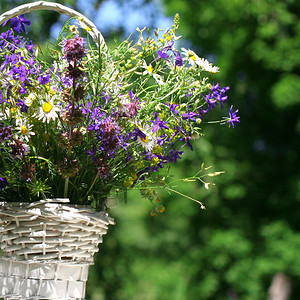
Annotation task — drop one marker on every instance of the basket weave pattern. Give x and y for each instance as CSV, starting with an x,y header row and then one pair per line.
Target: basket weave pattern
x,y
46,230
47,248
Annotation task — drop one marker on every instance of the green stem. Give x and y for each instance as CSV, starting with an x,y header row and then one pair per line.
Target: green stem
x,y
174,191
66,187
91,186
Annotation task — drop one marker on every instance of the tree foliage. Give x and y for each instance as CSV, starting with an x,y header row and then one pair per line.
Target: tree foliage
x,y
250,230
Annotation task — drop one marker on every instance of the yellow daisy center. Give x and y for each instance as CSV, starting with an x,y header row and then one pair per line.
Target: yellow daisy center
x,y
24,130
47,107
150,69
144,140
192,55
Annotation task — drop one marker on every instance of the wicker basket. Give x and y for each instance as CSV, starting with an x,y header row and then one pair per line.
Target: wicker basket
x,y
47,246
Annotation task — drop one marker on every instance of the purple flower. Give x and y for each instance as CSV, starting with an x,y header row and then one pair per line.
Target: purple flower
x,y
168,47
163,55
174,155
74,49
92,152
178,60
158,123
108,134
17,23
190,115
216,96
173,108
202,112
187,139
8,41
6,133
23,106
1,97
30,46
22,90
17,149
3,183
233,118
186,136
139,133
44,79
130,109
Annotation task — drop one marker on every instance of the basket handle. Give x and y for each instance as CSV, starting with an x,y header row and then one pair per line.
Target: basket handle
x,y
44,5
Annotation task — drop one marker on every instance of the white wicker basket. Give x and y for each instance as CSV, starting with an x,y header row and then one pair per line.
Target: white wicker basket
x,y
47,246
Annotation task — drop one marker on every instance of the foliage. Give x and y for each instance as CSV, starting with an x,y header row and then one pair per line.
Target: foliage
x,y
250,230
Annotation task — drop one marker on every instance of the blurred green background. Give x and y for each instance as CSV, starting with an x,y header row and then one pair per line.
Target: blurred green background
x,y
250,231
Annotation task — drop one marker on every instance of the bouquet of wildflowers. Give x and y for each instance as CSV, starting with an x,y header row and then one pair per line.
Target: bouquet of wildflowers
x,y
88,122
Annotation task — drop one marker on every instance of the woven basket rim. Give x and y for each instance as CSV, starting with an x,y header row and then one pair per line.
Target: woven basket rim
x,y
57,7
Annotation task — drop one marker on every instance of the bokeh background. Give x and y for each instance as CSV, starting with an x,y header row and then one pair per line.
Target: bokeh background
x,y
250,232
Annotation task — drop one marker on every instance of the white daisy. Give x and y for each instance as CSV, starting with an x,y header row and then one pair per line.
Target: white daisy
x,y
146,137
30,99
190,56
194,60
149,71
205,65
48,110
24,130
